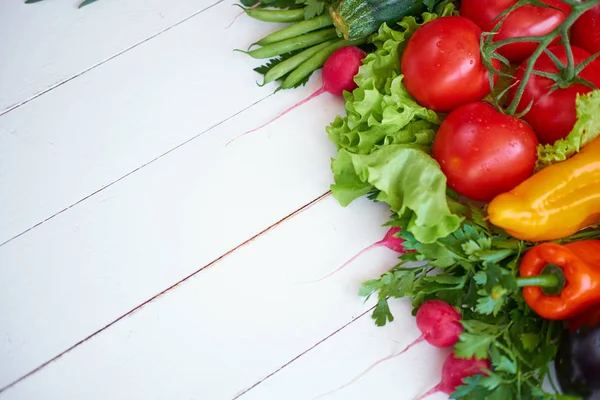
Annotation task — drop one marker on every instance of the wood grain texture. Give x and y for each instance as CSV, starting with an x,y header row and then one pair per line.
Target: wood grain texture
x,y
151,229
92,131
231,325
347,354
50,42
119,199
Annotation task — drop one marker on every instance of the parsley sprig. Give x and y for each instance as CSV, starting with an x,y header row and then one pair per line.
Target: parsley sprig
x,y
476,269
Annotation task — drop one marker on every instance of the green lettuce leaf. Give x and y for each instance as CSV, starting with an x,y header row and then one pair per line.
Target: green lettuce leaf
x,y
407,178
384,140
380,111
374,119
586,129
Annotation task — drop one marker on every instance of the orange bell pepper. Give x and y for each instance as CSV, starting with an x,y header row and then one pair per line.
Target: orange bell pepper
x,y
580,265
555,202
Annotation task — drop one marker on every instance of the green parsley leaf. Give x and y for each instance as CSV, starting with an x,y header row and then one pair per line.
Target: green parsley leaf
x,y
382,313
530,341
505,365
313,7
471,345
480,277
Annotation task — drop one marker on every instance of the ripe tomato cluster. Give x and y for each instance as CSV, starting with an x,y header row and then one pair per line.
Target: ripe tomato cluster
x,y
481,148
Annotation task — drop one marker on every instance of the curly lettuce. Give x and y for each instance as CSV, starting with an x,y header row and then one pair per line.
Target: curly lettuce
x,y
586,129
384,140
407,179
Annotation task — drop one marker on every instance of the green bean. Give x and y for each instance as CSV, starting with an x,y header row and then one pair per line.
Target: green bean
x,y
316,61
296,30
294,15
293,44
288,65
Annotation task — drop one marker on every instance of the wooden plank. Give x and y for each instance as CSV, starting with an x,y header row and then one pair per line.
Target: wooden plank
x,y
341,358
217,333
77,272
48,43
92,131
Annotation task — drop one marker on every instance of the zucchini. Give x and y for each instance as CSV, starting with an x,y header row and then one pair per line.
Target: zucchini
x,y
356,19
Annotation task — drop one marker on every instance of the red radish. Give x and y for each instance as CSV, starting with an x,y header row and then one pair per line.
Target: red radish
x,y
389,240
338,76
454,371
439,324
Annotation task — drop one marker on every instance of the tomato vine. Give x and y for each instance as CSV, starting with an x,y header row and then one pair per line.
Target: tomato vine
x,y
568,74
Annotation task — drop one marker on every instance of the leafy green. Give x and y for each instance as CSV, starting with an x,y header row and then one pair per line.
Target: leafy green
x,y
313,7
384,139
586,129
407,178
477,271
376,119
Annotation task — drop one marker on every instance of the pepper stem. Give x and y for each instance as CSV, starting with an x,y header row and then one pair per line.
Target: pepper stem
x,y
552,280
546,281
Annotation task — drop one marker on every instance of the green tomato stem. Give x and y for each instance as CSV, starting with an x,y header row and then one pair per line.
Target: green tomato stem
x,y
576,11
569,72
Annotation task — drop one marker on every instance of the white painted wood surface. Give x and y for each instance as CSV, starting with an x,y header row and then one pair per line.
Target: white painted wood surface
x,y
116,185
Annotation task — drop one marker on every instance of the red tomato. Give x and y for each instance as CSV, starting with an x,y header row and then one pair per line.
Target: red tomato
x,y
585,32
484,153
552,114
442,64
527,20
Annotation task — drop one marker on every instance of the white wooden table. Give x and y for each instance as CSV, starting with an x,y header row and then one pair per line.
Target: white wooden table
x,y
141,258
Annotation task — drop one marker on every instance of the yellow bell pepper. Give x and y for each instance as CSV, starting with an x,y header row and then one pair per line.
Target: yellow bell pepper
x,y
555,202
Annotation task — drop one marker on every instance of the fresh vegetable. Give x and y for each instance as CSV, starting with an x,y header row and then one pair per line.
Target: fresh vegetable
x,y
484,153
384,140
292,44
390,240
357,19
585,32
453,73
268,3
312,63
338,76
477,272
296,30
550,102
288,65
525,21
555,202
406,178
387,147
578,362
491,47
454,372
282,16
586,129
439,323
440,326
574,282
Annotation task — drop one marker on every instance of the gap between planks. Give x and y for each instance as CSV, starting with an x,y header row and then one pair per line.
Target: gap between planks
x,y
173,286
133,171
94,66
243,392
